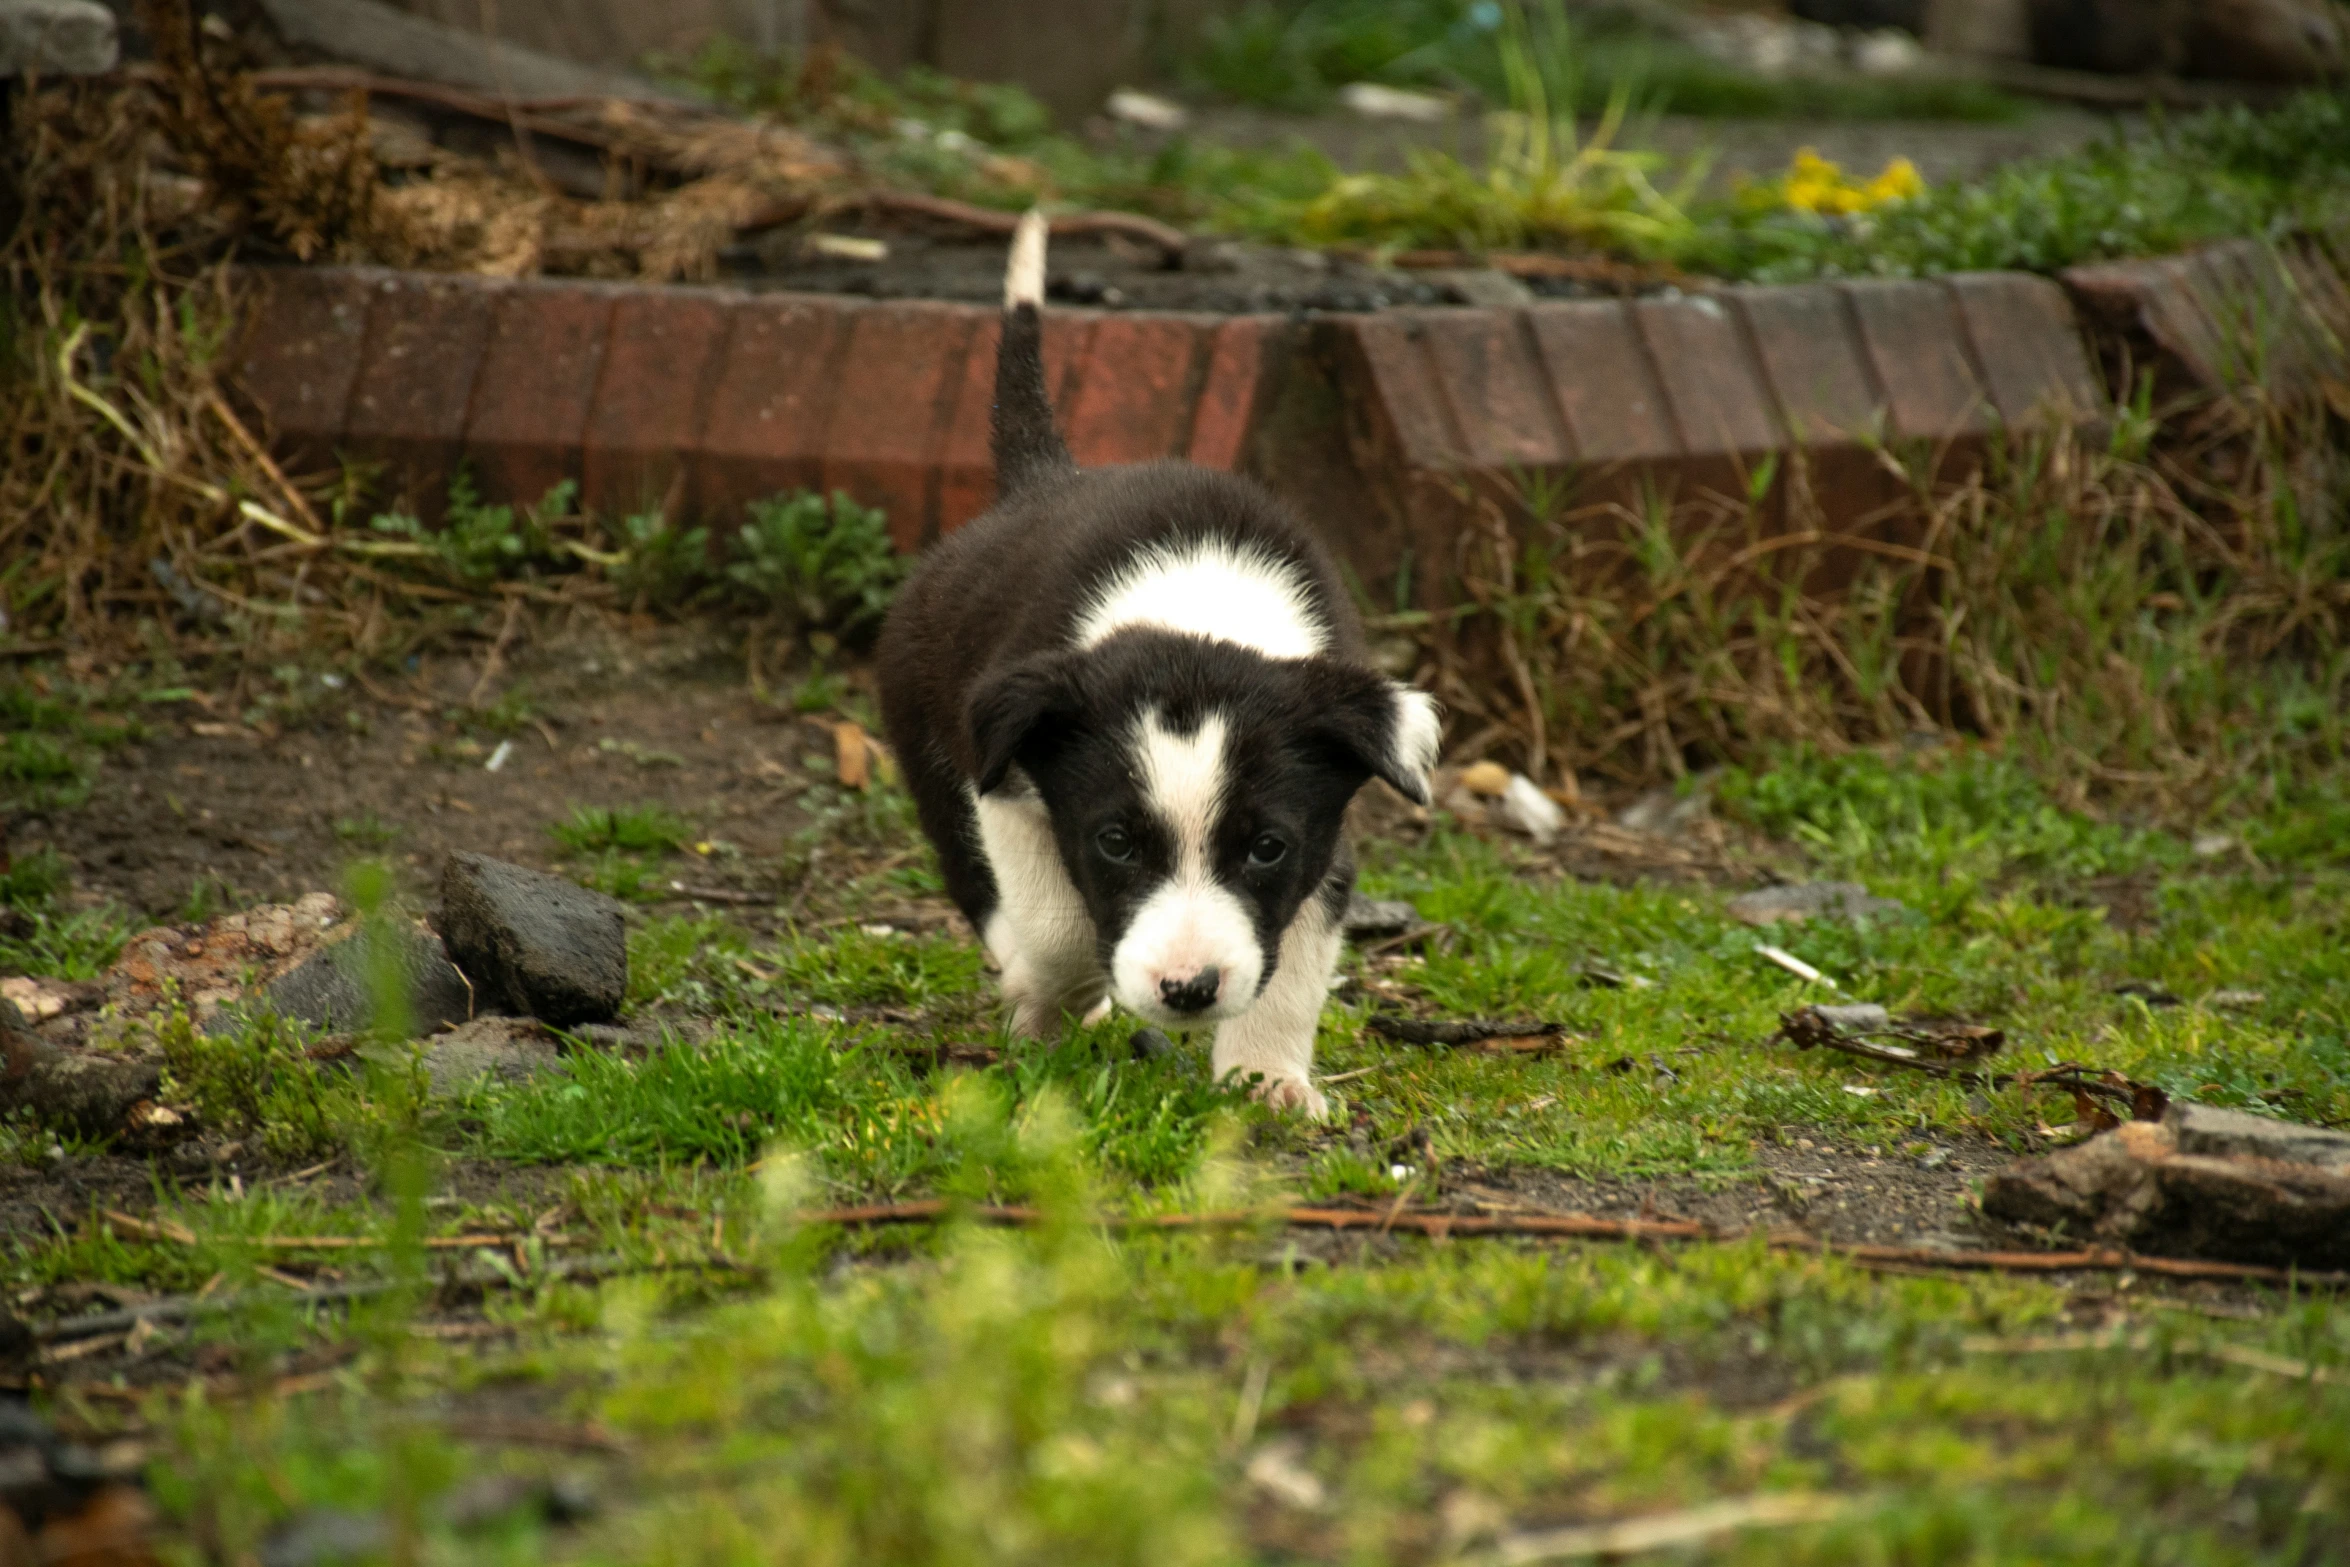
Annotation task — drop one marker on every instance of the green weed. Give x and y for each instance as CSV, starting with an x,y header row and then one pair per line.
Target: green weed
x,y
367,830
40,772
1934,812
80,945
1545,182
820,565
29,880
635,829
479,544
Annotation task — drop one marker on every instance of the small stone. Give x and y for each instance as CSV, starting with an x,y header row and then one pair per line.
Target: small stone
x,y
1149,1044
2209,1129
1377,101
1858,1018
1376,919
1525,808
57,38
324,1537
1478,287
535,943
505,1049
1809,900
2213,845
1666,813
2236,1000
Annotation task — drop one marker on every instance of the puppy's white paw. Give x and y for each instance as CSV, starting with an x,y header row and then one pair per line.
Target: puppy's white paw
x,y
1293,1093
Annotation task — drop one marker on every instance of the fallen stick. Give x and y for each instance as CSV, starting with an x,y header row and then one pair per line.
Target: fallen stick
x,y
180,1235
1806,1029
986,220
1584,1226
2234,1354
1468,1033
1665,1531
184,1308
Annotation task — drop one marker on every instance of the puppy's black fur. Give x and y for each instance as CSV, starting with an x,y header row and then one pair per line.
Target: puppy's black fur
x,y
983,688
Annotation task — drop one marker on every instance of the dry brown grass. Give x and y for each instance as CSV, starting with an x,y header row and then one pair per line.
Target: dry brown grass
x,y
2157,616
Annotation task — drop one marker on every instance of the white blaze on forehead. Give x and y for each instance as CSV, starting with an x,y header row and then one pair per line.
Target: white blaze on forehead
x,y
1210,588
1183,779
1190,922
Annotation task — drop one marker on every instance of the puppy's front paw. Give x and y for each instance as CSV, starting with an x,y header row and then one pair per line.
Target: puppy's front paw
x,y
1293,1093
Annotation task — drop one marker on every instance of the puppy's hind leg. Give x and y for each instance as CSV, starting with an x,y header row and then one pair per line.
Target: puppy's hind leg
x,y
1276,1036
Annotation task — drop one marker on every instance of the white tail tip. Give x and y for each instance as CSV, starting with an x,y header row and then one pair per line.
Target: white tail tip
x,y
1024,277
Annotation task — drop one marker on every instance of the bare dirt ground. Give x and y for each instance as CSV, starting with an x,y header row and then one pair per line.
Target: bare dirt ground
x,y
600,718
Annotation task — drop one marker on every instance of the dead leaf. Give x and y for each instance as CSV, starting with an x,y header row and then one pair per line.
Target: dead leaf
x,y
852,754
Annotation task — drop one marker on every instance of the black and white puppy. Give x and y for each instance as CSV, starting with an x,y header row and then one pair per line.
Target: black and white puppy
x,y
1132,704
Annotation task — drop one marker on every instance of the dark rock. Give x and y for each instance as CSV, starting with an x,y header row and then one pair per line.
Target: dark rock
x,y
2140,1186
83,1091
1376,919
1810,900
43,1476
322,1536
1148,1044
331,989
492,1499
535,943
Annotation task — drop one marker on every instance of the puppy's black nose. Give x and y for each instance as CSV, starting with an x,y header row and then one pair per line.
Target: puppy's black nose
x,y
1195,994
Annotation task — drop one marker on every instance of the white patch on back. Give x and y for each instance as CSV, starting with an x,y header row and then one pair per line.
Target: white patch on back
x,y
1210,588
1192,922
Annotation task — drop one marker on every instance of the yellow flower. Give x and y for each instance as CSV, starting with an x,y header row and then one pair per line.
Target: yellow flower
x,y
1898,182
1813,184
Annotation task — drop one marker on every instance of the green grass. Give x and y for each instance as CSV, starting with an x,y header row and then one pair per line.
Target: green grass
x,y
1072,1394
636,829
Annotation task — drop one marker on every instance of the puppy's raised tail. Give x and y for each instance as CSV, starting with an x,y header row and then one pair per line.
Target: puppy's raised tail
x,y
1028,446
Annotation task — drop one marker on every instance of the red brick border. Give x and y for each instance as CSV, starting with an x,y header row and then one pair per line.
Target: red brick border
x,y
704,399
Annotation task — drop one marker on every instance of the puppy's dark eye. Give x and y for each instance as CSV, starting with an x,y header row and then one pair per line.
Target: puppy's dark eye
x,y
1116,843
1267,850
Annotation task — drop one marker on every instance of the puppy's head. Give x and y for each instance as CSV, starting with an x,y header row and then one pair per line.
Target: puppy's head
x,y
1196,790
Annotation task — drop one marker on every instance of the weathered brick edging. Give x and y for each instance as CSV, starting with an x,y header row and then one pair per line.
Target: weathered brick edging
x,y
1381,426
706,398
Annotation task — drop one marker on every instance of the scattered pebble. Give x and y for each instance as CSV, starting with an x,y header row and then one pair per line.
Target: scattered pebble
x,y
1147,110
1527,809
1374,101
1807,900
1276,1470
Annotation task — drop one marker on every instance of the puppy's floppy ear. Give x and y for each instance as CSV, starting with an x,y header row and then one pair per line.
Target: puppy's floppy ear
x,y
1010,712
1391,730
